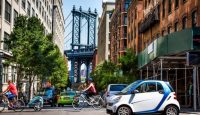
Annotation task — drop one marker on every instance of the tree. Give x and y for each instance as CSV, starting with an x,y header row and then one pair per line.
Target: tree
x,y
104,75
108,72
128,64
34,53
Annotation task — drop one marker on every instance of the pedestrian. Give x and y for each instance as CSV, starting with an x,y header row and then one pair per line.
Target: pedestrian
x,y
190,92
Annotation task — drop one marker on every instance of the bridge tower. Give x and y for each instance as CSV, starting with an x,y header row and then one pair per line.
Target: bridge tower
x,y
82,53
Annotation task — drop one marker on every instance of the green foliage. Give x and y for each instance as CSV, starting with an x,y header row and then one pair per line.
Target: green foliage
x,y
35,53
128,64
103,75
109,73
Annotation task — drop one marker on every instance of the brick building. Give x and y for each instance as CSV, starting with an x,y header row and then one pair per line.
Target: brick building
x,y
163,34
118,30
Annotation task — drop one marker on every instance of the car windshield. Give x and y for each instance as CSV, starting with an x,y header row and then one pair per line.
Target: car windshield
x,y
67,93
117,87
125,90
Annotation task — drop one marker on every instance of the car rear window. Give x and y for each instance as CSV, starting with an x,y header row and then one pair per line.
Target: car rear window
x,y
117,87
170,87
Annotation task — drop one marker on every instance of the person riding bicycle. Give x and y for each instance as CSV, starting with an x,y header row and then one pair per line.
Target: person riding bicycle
x,y
90,90
13,91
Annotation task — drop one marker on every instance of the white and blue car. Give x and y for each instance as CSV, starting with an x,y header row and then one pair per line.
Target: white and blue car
x,y
144,96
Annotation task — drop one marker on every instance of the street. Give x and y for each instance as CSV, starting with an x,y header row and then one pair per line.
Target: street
x,y
69,111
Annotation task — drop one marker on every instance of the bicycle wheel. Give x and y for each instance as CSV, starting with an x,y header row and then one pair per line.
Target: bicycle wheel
x,y
78,102
18,106
2,105
38,106
97,103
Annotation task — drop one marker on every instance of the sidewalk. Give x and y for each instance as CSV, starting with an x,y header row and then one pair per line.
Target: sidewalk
x,y
190,111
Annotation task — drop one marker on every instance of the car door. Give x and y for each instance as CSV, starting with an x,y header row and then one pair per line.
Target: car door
x,y
148,97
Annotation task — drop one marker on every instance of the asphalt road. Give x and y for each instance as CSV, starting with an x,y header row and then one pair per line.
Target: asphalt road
x,y
69,111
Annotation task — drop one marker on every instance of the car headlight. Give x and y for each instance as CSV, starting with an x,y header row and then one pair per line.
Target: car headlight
x,y
116,99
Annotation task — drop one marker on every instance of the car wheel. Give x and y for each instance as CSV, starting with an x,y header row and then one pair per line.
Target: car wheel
x,y
171,110
124,110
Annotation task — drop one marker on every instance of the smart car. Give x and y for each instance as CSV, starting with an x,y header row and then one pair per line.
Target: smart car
x,y
144,96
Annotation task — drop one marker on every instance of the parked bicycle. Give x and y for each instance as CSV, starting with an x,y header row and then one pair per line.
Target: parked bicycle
x,y
17,104
80,101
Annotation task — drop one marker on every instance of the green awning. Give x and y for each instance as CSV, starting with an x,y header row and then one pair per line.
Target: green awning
x,y
174,43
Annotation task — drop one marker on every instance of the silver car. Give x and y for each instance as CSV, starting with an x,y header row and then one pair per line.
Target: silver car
x,y
113,89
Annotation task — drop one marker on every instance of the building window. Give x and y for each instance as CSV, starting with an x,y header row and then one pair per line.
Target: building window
x,y
15,16
7,11
40,5
169,29
169,6
163,32
176,3
29,9
176,26
6,37
42,11
145,4
17,1
37,3
0,7
184,22
44,16
13,73
49,10
163,8
33,12
125,43
125,20
23,4
5,73
194,18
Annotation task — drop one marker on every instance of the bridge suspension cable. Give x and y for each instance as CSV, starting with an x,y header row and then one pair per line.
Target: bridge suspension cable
x,y
67,34
68,40
67,17
68,25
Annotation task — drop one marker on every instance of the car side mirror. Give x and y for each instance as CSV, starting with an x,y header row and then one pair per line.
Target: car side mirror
x,y
161,91
134,91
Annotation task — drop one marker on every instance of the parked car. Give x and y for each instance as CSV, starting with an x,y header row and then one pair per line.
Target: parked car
x,y
147,96
65,98
113,89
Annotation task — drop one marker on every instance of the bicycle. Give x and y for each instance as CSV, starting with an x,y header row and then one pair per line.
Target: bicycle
x,y
80,101
17,105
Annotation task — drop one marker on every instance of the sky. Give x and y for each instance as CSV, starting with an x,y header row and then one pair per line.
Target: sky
x,y
67,7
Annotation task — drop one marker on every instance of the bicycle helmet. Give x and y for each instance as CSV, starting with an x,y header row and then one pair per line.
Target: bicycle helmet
x,y
90,79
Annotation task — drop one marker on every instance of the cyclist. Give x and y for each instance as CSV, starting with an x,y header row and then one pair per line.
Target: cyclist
x,y
13,92
90,90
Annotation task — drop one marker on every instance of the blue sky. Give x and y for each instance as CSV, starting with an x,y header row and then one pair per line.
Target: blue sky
x,y
85,4
67,7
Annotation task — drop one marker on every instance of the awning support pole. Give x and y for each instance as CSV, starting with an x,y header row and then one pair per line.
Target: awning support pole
x,y
194,88
161,70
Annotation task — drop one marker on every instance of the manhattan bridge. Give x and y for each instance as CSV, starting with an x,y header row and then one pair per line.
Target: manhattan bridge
x,y
82,36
